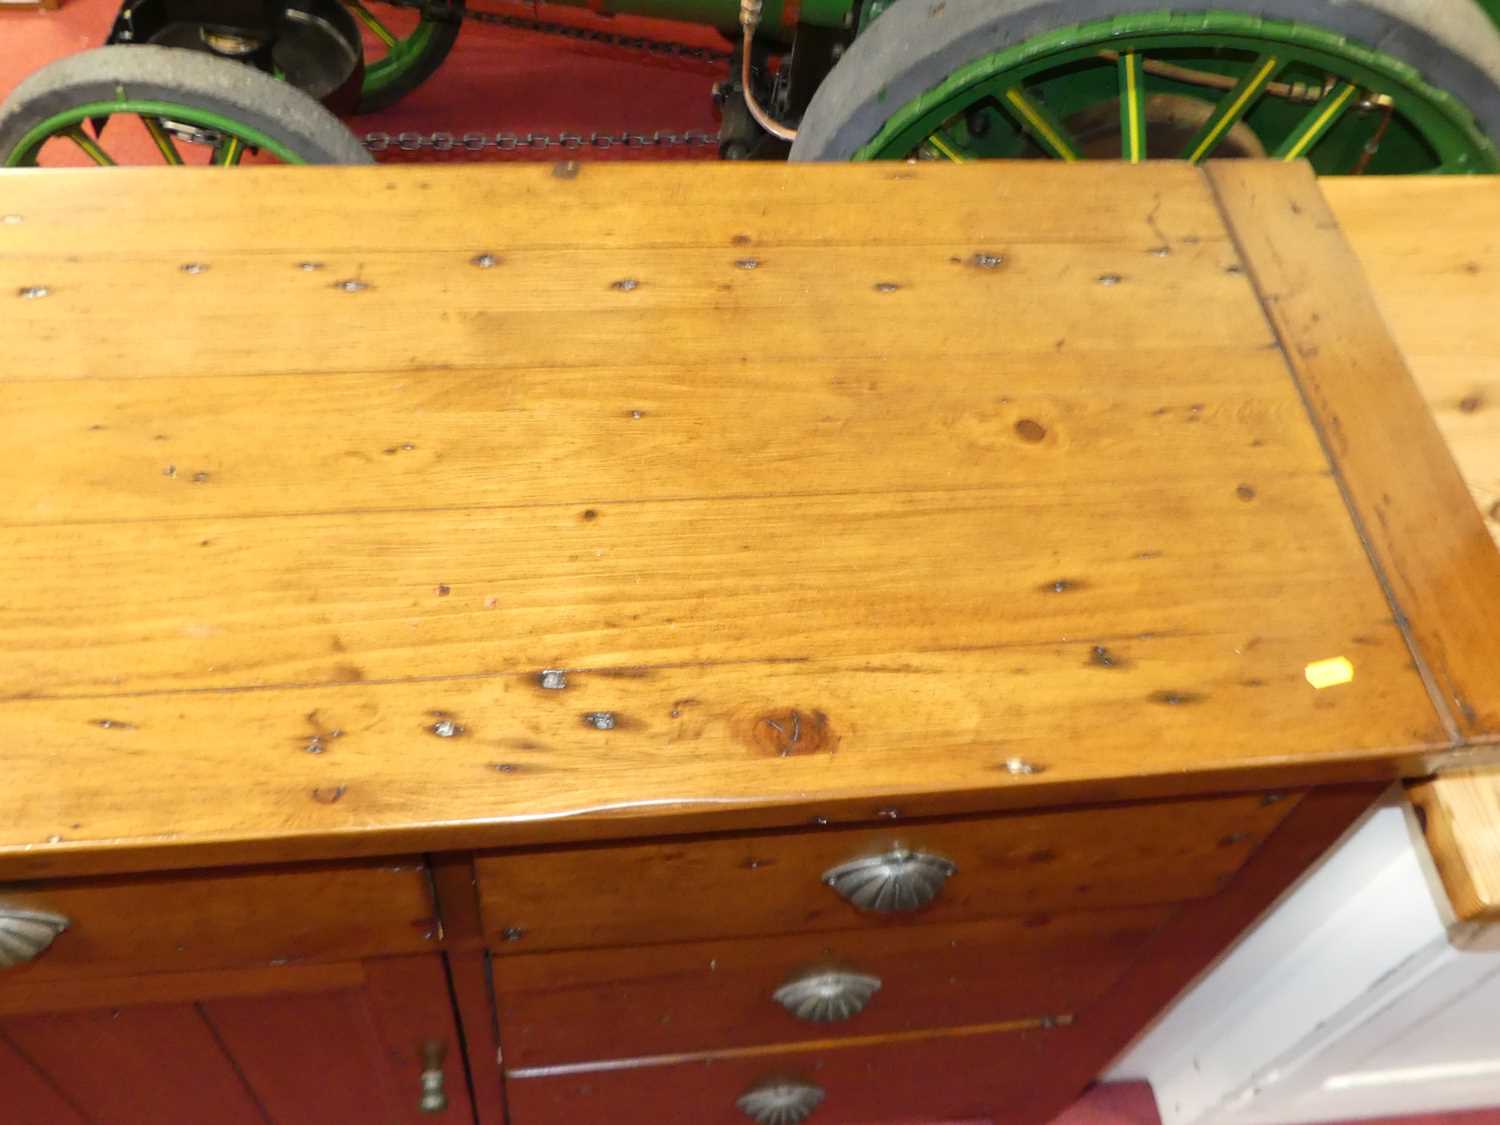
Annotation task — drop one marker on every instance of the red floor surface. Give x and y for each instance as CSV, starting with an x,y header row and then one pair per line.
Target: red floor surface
x,y
495,80
501,80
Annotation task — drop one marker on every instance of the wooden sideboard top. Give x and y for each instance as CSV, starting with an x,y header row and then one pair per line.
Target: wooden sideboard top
x,y
349,510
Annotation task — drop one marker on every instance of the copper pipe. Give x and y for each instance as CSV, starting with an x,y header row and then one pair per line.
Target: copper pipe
x,y
750,20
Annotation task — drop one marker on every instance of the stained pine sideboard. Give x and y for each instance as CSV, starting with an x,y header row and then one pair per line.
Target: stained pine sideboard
x,y
652,644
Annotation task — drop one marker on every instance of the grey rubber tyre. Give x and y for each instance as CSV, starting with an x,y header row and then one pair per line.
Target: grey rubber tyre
x,y
916,44
188,78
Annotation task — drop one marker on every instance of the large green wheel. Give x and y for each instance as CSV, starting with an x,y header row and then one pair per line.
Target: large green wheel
x,y
180,106
403,48
1380,86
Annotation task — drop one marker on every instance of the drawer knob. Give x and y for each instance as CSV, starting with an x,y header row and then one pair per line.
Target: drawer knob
x,y
830,996
780,1101
434,1097
26,934
899,880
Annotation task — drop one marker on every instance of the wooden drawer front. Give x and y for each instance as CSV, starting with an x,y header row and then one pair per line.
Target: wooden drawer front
x,y
225,919
676,999
687,890
997,1076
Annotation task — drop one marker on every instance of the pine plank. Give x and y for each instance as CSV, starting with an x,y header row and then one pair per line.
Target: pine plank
x,y
476,209
1060,503
1430,246
1414,509
1461,819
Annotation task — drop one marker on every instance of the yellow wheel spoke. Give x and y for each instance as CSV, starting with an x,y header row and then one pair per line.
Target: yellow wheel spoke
x,y
229,150
163,140
87,143
367,18
938,142
1322,117
1040,122
1132,107
1234,106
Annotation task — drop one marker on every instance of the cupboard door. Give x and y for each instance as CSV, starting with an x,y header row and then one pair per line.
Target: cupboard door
x,y
310,1046
29,1095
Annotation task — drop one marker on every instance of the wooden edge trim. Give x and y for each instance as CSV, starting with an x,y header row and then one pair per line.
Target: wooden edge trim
x,y
126,856
1460,817
1427,540
455,892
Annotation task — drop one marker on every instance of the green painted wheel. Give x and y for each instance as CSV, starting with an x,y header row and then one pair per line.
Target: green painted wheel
x,y
126,104
403,48
1145,84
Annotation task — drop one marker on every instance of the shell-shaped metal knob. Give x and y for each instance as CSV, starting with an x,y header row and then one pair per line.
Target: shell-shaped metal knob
x,y
780,1101
26,934
827,996
896,881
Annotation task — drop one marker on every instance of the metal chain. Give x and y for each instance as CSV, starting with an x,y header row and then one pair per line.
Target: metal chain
x,y
442,141
515,142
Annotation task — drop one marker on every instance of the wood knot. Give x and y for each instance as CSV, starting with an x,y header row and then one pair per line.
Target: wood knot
x,y
1030,430
788,731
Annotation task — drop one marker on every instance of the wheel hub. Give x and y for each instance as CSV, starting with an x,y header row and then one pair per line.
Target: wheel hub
x,y
315,46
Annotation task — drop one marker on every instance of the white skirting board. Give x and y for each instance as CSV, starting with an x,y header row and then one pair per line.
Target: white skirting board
x,y
1357,996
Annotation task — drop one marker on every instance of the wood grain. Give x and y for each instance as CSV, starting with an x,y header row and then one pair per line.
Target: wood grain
x,y
868,1084
320,600
346,1056
478,1015
419,306
275,915
1018,506
308,1058
1414,509
1460,812
30,1096
99,449
1430,246
1084,859
456,891
30,995
410,1004
491,209
680,999
296,1045
135,1066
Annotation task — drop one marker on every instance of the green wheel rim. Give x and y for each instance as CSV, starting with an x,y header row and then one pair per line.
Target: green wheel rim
x,y
1302,92
25,153
403,53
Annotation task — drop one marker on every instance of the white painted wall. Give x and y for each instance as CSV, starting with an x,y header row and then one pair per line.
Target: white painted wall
x,y
1357,996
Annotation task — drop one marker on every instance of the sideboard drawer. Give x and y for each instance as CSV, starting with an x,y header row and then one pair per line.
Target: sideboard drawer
x,y
221,919
594,1005
777,883
996,1076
